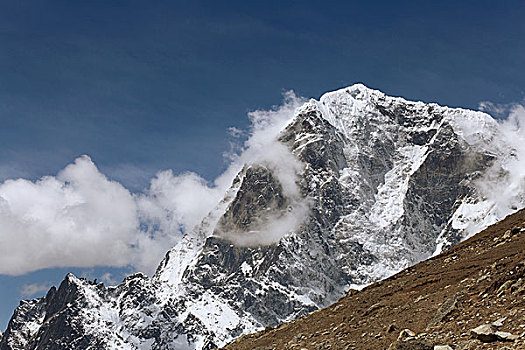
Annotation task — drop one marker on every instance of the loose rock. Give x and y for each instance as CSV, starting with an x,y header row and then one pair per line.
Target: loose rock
x,y
442,347
499,323
406,334
488,333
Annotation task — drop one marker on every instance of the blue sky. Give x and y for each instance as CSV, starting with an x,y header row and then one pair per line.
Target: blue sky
x,y
153,85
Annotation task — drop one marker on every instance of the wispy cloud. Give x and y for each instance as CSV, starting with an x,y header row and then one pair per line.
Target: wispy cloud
x,y
496,109
109,279
29,290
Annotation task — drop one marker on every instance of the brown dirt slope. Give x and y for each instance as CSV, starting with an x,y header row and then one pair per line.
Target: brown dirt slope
x,y
441,300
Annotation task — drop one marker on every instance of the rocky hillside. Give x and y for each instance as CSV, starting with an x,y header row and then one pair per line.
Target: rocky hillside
x,y
349,190
441,301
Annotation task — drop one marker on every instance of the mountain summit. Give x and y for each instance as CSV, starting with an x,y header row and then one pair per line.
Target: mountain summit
x,y
352,189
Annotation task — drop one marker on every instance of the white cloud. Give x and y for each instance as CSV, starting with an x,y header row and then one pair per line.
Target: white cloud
x,y
80,218
171,206
176,203
29,290
504,183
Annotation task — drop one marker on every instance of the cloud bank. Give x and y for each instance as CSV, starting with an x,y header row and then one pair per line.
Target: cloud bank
x,y
80,218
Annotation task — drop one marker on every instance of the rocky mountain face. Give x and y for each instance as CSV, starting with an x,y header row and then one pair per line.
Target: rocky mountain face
x,y
383,183
470,297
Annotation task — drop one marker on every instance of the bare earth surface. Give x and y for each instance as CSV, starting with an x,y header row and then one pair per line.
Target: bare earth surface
x,y
440,300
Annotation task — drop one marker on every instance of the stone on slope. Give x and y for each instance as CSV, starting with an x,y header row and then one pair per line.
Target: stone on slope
x,y
489,333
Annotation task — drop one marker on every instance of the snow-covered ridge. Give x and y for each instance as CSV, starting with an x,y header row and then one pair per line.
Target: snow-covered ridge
x,y
388,182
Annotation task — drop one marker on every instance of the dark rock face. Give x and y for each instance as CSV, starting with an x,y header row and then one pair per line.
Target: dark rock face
x,y
61,327
438,184
19,329
382,178
259,193
325,151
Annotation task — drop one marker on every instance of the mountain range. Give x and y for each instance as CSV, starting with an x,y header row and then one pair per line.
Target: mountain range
x,y
352,188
